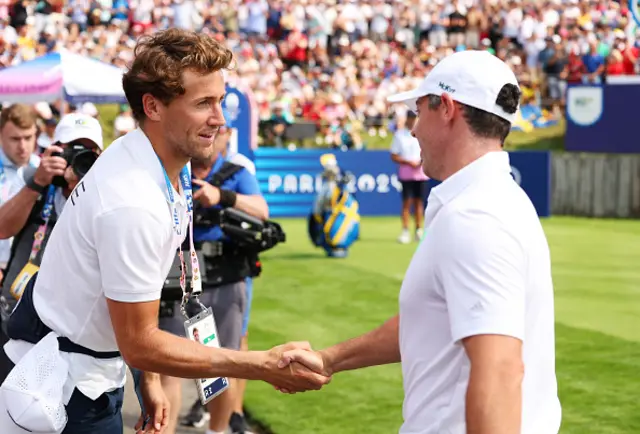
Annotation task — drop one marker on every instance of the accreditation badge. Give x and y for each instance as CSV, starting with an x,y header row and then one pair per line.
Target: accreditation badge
x,y
202,329
24,276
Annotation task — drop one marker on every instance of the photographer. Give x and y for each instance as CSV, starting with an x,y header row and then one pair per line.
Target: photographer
x,y
18,139
218,184
30,215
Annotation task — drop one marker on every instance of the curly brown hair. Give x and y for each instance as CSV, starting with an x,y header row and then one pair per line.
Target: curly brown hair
x,y
160,60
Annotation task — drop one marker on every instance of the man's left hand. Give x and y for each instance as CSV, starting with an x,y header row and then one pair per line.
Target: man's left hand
x,y
156,405
207,195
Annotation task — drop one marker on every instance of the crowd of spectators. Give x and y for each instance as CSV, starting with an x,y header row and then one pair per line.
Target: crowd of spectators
x,y
331,62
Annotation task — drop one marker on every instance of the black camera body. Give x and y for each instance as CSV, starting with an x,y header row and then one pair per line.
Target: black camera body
x,y
79,158
244,231
231,260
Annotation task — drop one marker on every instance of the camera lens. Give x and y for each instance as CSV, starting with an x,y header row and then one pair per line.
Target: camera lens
x,y
82,162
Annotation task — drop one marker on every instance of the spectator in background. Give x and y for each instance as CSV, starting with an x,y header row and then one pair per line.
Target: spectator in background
x,y
89,109
594,64
354,51
345,136
405,151
18,140
45,138
615,63
278,124
124,122
457,24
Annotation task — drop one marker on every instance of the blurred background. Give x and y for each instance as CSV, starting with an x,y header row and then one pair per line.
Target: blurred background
x,y
318,73
331,64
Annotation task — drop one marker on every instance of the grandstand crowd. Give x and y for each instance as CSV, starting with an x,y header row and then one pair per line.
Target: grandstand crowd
x,y
332,63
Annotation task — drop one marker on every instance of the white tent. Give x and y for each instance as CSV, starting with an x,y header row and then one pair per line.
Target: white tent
x,y
63,74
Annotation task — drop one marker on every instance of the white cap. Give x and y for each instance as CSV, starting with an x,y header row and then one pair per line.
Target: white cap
x,y
88,108
472,77
76,126
31,397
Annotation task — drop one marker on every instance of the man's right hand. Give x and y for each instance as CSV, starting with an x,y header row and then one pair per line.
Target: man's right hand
x,y
50,166
298,377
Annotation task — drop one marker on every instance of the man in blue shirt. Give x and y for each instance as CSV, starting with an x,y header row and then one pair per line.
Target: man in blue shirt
x,y
594,64
228,296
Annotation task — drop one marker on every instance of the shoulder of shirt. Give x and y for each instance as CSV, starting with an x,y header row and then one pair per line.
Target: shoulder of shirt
x,y
244,161
492,202
124,183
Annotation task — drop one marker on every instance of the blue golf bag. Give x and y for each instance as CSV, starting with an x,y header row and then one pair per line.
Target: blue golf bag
x,y
334,223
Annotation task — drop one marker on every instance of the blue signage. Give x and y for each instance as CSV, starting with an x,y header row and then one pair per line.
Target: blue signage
x,y
237,112
289,180
602,118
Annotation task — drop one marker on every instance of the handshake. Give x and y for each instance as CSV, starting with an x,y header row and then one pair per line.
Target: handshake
x,y
295,367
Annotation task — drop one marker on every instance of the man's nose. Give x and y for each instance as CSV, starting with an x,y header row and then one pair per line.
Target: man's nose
x,y
217,118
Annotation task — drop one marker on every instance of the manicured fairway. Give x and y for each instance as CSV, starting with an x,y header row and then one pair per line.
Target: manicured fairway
x,y
304,295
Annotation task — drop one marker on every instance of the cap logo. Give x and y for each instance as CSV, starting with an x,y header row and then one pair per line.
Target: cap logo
x,y
446,87
81,122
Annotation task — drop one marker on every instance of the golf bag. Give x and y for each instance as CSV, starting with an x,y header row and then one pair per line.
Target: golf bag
x,y
334,223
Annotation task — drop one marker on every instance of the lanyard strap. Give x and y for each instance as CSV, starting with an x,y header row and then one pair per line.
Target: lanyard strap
x,y
45,214
4,186
196,282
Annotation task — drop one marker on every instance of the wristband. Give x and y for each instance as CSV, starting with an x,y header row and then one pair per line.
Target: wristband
x,y
227,198
31,184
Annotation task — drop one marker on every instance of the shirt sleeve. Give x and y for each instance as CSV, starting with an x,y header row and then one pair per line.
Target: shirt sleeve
x,y
482,268
247,183
396,145
130,243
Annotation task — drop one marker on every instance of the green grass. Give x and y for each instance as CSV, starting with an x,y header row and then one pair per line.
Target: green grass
x,y
108,113
551,138
304,295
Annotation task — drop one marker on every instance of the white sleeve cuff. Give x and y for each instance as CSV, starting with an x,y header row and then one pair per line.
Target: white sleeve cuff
x,y
488,326
139,296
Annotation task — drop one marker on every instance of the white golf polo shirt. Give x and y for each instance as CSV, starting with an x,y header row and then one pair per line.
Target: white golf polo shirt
x,y
114,239
482,268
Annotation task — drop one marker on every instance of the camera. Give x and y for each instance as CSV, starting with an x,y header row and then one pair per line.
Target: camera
x,y
78,157
246,232
250,233
226,262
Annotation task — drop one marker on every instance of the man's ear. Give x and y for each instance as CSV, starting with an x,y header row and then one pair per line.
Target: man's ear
x,y
152,107
449,106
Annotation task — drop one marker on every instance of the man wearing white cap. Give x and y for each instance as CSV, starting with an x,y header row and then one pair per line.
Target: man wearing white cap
x,y
475,331
30,215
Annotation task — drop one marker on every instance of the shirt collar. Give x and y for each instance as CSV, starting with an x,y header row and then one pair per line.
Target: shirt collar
x,y
5,162
489,164
139,146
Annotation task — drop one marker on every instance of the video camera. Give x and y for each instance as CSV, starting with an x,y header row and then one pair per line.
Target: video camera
x,y
247,237
249,232
78,157
244,231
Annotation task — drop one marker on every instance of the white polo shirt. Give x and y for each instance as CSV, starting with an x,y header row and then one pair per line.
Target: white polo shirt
x,y
482,268
114,239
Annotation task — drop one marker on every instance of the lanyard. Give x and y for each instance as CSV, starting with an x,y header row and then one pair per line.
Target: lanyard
x,y
45,214
196,282
4,186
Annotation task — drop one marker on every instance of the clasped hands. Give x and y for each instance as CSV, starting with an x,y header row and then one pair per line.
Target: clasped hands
x,y
295,367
